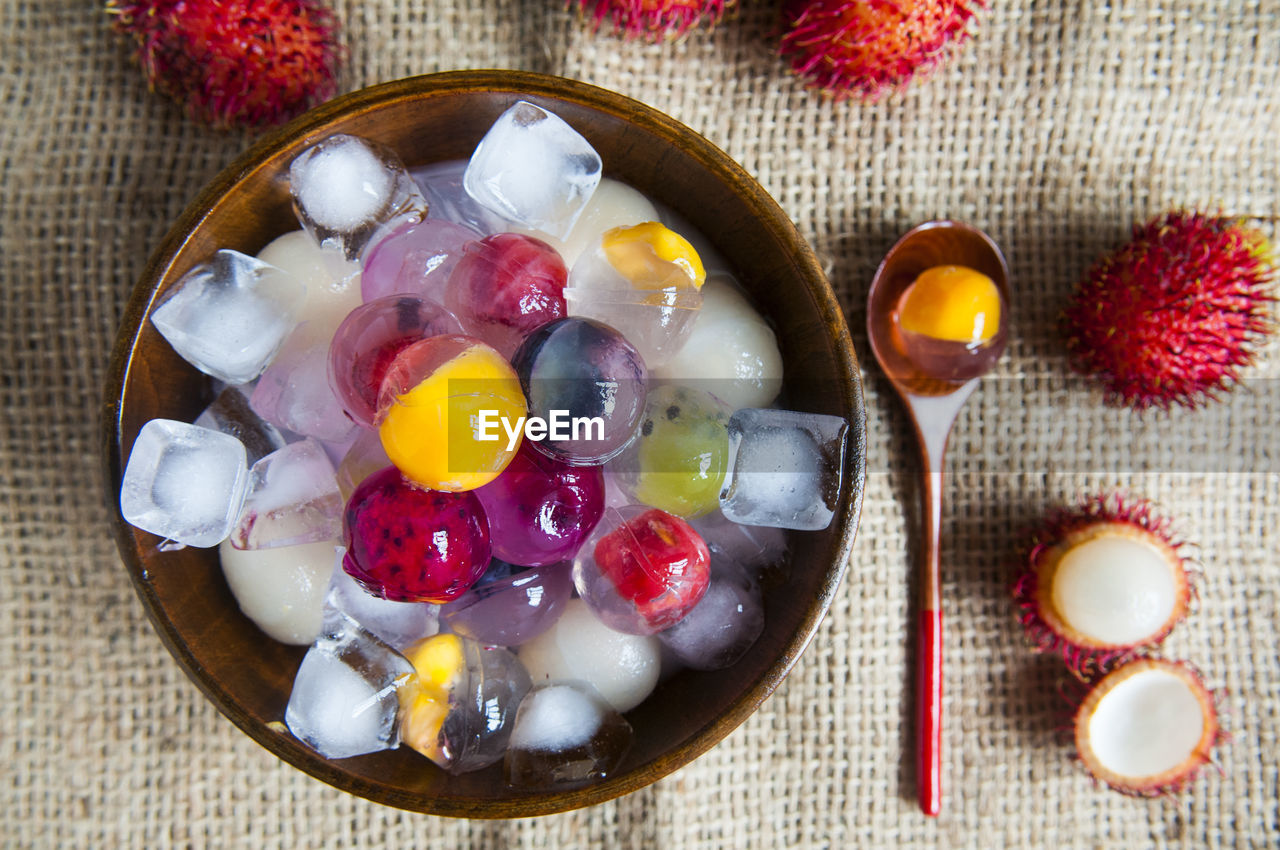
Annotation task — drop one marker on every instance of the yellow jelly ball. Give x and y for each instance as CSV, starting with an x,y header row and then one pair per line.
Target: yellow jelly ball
x,y
432,432
653,256
951,303
438,664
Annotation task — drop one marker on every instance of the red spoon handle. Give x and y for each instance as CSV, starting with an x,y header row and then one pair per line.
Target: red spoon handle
x,y
929,716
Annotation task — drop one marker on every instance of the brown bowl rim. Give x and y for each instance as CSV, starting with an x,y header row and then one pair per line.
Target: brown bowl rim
x,y
708,156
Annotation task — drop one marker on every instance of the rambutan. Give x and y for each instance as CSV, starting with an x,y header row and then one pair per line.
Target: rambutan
x,y
235,63
1172,317
654,20
1147,728
1102,581
866,48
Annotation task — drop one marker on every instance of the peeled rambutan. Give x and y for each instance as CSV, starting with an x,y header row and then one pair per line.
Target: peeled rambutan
x,y
235,63
1101,582
1172,317
1148,727
654,20
866,48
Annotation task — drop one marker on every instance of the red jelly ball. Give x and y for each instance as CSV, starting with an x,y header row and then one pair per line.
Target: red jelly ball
x,y
657,562
409,544
506,285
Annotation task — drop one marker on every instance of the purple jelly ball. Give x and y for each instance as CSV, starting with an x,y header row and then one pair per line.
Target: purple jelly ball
x,y
505,286
588,383
367,342
539,509
512,609
416,259
409,544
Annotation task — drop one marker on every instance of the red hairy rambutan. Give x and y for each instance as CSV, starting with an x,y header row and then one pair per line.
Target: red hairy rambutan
x,y
866,48
1172,317
1101,581
235,63
654,20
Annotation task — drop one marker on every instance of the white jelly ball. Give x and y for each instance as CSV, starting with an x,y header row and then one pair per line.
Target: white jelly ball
x,y
731,352
1114,589
1148,724
623,668
282,590
332,284
613,204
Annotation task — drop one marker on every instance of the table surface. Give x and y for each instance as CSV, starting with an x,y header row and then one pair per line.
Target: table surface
x,y
1056,129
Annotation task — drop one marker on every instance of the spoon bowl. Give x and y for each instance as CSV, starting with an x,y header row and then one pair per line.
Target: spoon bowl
x,y
933,404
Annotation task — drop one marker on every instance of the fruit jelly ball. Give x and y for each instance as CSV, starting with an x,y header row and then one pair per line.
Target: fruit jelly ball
x,y
540,510
367,342
416,260
645,572
408,544
583,370
436,395
505,286
952,303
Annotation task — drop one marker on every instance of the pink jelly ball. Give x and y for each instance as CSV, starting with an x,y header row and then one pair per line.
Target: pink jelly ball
x,y
367,342
540,510
416,259
506,285
408,544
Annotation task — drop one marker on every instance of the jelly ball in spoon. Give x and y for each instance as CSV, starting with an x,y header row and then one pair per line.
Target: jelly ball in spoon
x,y
442,406
950,323
408,544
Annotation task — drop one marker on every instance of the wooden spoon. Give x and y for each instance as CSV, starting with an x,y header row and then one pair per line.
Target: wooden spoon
x,y
933,404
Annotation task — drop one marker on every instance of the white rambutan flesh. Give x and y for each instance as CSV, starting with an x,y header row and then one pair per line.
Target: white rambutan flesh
x,y
1147,727
1116,588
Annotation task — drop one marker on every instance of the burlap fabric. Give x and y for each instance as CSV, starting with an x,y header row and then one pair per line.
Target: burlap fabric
x,y
1059,126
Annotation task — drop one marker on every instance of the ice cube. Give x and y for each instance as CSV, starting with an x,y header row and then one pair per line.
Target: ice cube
x,y
723,625
293,498
349,191
229,316
784,468
231,414
459,709
565,735
344,699
400,624
184,482
294,393
532,168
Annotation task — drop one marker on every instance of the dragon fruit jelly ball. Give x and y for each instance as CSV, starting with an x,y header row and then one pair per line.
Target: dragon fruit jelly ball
x,y
369,339
588,383
540,510
642,570
505,286
408,544
443,405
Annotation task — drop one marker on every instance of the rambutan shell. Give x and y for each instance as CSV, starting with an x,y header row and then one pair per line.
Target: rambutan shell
x,y
1064,532
1173,316
1161,724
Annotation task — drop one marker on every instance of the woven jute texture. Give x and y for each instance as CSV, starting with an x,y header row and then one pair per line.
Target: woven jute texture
x,y
1056,128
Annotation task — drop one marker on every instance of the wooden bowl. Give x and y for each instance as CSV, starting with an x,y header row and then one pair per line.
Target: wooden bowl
x,y
427,119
